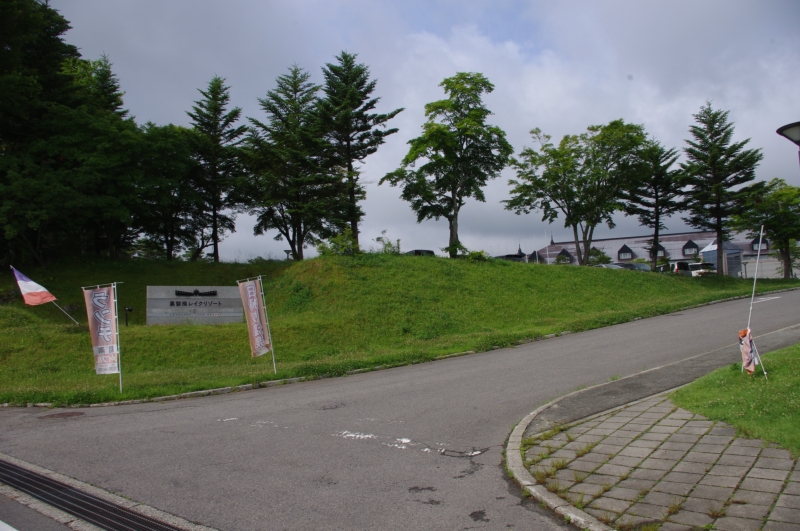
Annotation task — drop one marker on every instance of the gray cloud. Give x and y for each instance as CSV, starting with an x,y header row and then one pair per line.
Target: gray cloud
x,y
558,66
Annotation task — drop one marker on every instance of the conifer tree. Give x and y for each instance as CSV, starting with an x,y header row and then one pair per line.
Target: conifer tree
x,y
218,139
715,166
350,127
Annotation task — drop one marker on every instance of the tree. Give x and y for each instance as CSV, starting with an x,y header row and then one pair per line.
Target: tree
x,y
296,192
777,208
350,127
458,151
655,191
582,178
218,139
598,256
714,167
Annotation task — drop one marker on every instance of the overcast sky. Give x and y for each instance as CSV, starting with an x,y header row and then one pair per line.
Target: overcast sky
x,y
560,66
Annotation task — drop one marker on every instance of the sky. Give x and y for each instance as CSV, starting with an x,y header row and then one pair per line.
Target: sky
x,y
559,66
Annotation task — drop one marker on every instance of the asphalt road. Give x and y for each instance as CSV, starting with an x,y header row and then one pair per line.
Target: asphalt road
x,y
416,447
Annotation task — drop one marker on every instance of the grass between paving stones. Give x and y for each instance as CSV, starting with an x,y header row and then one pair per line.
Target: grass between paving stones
x,y
758,407
328,316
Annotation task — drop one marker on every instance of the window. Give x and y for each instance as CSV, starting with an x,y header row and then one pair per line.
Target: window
x,y
689,251
660,253
625,256
764,246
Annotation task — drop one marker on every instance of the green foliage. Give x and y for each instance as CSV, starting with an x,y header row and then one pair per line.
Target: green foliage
x,y
562,259
217,139
757,407
386,244
292,187
777,208
351,129
597,256
461,152
343,244
328,316
582,178
714,168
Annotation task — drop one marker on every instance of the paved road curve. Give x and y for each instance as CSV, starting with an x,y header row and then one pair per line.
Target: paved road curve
x,y
416,447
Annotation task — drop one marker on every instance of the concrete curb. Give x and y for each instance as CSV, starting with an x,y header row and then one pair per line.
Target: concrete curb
x,y
272,383
76,523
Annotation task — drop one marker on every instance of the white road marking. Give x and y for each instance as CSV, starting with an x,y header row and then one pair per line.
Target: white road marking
x,y
765,299
5,527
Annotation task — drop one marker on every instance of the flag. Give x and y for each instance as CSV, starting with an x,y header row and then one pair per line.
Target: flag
x,y
32,293
101,310
256,316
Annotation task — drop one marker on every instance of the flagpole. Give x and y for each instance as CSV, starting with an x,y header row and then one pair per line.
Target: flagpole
x,y
269,328
755,276
65,313
116,318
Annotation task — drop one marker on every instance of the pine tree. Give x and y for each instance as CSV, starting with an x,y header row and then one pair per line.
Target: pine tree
x,y
655,190
350,127
218,139
714,168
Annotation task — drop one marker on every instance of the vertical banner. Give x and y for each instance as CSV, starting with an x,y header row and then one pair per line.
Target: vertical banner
x,y
256,314
101,308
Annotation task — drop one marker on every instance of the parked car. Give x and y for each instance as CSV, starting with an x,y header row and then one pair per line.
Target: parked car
x,y
689,269
636,266
609,266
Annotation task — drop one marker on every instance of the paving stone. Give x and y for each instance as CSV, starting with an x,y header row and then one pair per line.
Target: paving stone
x,y
569,475
682,437
683,477
729,523
618,441
716,430
649,436
655,416
733,449
629,521
583,465
558,485
712,493
797,466
633,451
642,443
658,464
610,504
683,447
672,422
767,473
647,510
691,518
641,422
753,497
564,454
603,516
658,428
700,457
716,439
792,502
700,505
648,474
784,514
577,430
587,488
671,526
578,498
638,485
626,413
670,487
795,475
614,470
622,493
599,431
747,511
596,457
629,432
691,431
574,445
776,453
777,464
728,470
792,488
625,461
720,481
700,423
694,468
664,499
747,442
672,455
586,438
710,448
781,526
599,479
737,460
762,485
612,424
608,448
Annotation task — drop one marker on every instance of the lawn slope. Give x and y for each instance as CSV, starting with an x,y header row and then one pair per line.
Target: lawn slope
x,y
328,316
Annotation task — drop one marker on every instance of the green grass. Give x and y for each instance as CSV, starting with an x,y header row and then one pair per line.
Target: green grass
x,y
328,316
767,409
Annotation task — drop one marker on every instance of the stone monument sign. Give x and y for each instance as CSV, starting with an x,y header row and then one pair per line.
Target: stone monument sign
x,y
194,305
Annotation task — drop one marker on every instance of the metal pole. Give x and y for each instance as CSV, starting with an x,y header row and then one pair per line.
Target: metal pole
x,y
755,276
269,328
116,318
65,313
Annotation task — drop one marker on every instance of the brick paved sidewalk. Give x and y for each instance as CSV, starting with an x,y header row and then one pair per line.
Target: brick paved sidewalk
x,y
652,463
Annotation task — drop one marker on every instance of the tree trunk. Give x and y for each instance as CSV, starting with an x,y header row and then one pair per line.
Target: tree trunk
x,y
721,258
215,233
654,250
577,243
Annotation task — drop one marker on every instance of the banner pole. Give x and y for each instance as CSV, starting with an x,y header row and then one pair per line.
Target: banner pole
x,y
116,318
65,313
269,328
755,276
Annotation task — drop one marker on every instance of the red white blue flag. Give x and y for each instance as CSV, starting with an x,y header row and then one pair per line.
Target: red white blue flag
x,y
32,293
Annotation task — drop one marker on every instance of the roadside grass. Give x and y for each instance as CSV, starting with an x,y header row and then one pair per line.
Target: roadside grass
x,y
328,316
760,408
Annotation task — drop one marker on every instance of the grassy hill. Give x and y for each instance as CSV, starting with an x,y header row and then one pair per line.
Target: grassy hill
x,y
328,316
